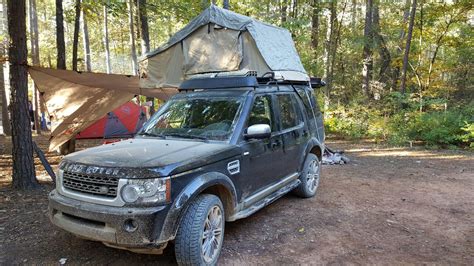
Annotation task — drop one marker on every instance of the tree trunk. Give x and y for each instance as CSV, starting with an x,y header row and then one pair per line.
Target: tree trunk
x,y
5,117
3,89
61,62
315,26
22,143
34,43
367,52
385,57
145,41
328,48
354,14
145,35
226,4
283,11
294,10
396,71
407,48
133,51
106,39
85,39
75,41
61,47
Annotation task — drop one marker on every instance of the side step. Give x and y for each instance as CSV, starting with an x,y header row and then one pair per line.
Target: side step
x,y
265,201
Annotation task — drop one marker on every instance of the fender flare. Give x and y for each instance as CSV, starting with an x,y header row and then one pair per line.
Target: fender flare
x,y
312,143
189,193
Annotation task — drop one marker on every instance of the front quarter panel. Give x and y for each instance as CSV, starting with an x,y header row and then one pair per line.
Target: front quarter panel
x,y
198,184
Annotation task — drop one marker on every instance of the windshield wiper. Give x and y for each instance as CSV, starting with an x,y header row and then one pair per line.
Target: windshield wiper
x,y
148,134
186,136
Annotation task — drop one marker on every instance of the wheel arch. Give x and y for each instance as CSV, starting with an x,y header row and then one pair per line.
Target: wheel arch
x,y
312,146
211,183
315,147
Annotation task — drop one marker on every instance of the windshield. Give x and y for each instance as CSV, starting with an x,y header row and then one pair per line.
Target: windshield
x,y
198,118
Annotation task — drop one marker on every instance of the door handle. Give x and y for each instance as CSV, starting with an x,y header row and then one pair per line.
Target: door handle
x,y
275,143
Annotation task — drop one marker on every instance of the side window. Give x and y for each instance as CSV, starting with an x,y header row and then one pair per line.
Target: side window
x,y
262,111
307,96
316,109
288,115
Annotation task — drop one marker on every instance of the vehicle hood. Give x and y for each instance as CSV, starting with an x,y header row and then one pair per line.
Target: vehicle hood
x,y
165,157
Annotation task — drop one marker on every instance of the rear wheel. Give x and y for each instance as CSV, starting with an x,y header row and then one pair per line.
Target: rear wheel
x,y
201,232
309,177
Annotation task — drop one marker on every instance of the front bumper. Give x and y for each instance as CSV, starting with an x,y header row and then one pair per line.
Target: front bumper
x,y
108,224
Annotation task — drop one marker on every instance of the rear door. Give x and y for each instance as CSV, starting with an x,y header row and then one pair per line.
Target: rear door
x,y
292,131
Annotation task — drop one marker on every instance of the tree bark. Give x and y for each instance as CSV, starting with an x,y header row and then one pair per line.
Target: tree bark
x,y
354,14
385,57
145,41
61,47
3,89
22,143
85,39
133,51
106,39
34,43
294,10
315,25
69,146
283,11
396,71
328,48
407,48
75,42
367,52
226,4
145,34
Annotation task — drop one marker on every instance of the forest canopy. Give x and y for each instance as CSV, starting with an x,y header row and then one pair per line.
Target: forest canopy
x,y
376,88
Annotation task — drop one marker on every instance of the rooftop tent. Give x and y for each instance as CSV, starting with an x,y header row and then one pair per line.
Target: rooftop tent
x,y
219,40
75,100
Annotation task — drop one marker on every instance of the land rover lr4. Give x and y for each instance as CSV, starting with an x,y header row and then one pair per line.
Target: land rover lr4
x,y
218,151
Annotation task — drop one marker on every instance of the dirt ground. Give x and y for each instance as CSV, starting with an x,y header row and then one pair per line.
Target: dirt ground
x,y
388,206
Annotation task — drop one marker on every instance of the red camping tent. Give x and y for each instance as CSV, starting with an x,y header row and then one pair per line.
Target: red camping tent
x,y
122,122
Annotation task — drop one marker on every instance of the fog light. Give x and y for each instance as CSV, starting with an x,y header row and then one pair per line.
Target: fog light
x,y
130,225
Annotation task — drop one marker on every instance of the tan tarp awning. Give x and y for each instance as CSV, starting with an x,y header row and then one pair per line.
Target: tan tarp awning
x,y
76,100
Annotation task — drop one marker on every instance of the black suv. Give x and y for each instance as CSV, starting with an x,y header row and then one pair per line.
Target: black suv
x,y
218,151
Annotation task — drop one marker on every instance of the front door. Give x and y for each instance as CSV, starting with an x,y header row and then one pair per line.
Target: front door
x,y
261,155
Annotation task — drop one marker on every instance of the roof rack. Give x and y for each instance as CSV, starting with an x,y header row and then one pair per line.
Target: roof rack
x,y
242,80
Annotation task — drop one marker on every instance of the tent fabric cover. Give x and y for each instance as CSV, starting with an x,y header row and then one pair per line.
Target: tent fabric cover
x,y
124,121
76,100
219,40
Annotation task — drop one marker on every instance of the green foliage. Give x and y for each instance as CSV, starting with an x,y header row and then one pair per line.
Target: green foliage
x,y
402,122
438,108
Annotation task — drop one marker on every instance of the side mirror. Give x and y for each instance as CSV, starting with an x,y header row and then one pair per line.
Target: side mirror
x,y
258,131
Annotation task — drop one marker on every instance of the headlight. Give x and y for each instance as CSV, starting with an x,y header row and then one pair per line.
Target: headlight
x,y
146,190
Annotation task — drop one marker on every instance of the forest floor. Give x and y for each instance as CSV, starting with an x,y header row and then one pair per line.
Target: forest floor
x,y
388,206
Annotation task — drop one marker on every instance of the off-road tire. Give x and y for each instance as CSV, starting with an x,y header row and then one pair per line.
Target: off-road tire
x,y
189,239
304,189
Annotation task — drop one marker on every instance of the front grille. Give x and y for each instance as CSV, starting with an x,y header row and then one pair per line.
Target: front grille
x,y
96,185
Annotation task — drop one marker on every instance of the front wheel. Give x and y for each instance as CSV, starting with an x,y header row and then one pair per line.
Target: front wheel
x,y
201,232
309,177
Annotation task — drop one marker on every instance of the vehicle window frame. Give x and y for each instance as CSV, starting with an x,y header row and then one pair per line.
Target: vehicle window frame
x,y
232,129
273,118
293,101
